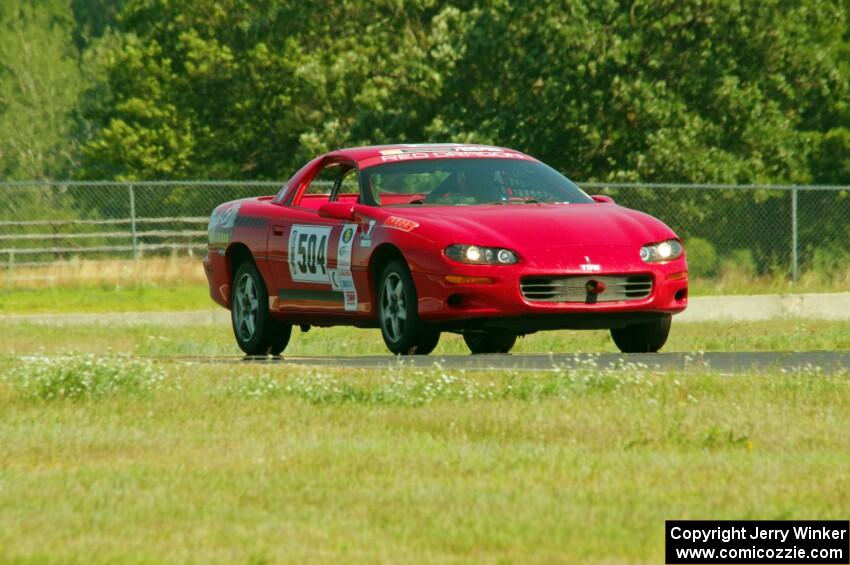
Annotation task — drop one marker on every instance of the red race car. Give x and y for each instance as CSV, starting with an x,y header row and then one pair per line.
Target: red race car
x,y
421,239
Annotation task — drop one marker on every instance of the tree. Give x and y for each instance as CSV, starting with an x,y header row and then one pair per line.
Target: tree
x,y
39,82
247,89
696,90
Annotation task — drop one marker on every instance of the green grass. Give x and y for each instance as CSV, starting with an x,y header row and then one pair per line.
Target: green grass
x,y
130,296
106,297
784,335
107,460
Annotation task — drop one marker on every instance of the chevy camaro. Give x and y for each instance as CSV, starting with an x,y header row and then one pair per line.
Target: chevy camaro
x,y
421,239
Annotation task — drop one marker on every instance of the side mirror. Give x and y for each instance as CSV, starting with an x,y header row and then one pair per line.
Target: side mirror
x,y
602,199
337,211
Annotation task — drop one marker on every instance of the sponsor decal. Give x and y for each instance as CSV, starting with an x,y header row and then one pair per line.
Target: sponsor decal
x,y
219,238
421,148
346,237
366,235
335,282
308,253
350,301
349,290
225,215
400,223
222,220
450,154
343,263
589,267
441,151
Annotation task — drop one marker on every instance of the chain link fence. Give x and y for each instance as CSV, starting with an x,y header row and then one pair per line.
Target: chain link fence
x,y
763,228
43,222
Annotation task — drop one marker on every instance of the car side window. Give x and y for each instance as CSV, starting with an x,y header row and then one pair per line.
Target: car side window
x,y
349,186
324,181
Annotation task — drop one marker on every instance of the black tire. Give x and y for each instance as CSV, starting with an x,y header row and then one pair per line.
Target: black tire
x,y
256,332
643,338
489,342
403,332
428,340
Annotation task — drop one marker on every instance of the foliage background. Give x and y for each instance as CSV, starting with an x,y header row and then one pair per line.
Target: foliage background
x,y
722,91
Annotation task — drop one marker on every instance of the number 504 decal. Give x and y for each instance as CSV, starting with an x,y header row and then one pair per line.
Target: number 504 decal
x,y
308,253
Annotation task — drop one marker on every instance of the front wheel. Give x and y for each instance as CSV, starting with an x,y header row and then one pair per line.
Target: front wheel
x,y
489,343
257,333
403,332
643,338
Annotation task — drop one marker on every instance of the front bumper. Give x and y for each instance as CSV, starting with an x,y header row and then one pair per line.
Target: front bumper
x,y
216,270
481,306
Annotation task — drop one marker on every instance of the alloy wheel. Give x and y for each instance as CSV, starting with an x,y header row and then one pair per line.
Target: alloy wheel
x,y
393,308
247,305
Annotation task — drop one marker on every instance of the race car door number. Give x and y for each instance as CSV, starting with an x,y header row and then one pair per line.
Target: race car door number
x,y
308,253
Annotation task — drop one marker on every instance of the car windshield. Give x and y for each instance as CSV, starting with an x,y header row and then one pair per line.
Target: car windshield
x,y
454,182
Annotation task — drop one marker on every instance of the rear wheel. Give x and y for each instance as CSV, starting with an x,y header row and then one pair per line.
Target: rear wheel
x,y
257,333
404,333
489,342
643,338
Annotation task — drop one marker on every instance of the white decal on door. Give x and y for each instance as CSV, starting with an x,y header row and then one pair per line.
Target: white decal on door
x,y
366,235
308,253
343,263
334,274
346,241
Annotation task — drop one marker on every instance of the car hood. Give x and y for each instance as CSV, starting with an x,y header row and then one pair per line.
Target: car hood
x,y
541,232
551,225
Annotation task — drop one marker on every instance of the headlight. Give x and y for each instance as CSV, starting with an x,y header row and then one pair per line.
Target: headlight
x,y
663,251
477,255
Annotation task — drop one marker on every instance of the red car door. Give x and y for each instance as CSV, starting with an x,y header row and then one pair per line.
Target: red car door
x,y
310,256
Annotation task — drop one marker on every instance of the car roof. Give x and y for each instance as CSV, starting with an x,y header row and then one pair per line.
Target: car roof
x,y
375,154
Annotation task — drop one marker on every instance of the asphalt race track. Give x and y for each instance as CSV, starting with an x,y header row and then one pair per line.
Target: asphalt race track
x,y
828,361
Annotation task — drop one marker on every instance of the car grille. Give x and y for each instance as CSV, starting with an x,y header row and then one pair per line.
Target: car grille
x,y
574,288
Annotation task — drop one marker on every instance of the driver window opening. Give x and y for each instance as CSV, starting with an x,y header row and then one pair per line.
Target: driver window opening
x,y
323,183
334,182
348,189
